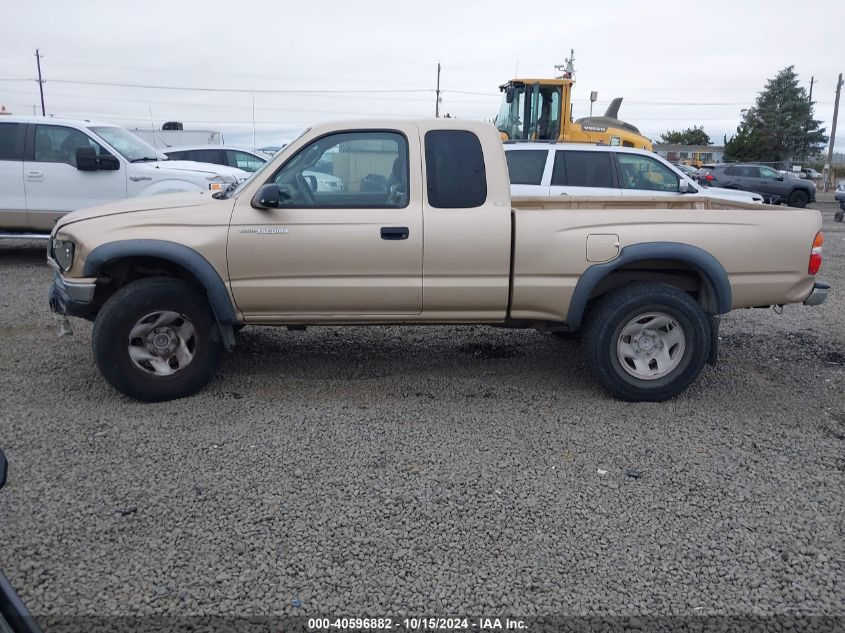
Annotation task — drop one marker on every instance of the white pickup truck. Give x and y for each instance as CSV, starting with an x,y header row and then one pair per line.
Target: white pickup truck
x,y
422,230
49,167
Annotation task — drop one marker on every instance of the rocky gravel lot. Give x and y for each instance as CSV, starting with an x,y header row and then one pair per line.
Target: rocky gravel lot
x,y
428,471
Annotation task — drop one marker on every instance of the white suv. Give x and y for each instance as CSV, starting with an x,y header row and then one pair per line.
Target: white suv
x,y
579,169
50,167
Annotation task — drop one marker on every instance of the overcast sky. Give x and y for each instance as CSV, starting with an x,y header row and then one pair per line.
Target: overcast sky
x,y
676,64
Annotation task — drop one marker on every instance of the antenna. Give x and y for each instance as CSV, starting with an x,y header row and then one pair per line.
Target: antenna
x,y
153,129
252,92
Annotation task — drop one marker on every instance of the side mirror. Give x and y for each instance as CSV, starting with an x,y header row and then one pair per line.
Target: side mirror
x,y
3,468
87,160
509,94
108,163
267,197
779,178
684,186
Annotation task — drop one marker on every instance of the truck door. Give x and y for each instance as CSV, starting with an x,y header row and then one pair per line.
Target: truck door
x,y
466,266
13,198
54,186
346,252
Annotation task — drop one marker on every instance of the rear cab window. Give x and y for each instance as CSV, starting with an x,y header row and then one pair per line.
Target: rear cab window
x,y
526,167
455,171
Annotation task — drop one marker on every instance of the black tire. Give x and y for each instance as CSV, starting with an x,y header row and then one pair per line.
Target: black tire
x,y
617,309
839,216
798,198
126,308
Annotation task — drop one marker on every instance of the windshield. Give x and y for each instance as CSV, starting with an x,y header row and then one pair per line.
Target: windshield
x,y
261,169
530,112
130,146
508,120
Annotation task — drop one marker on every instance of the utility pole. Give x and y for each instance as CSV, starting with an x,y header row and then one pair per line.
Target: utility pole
x,y
40,81
437,105
811,88
833,130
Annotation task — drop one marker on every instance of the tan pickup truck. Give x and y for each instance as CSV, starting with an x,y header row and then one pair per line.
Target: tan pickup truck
x,y
412,222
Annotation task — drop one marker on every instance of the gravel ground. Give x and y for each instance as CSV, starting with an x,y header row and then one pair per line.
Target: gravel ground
x,y
428,471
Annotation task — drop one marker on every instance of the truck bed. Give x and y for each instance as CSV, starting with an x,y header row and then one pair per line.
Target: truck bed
x,y
763,249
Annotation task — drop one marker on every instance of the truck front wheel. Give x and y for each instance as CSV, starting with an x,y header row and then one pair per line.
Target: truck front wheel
x,y
156,339
646,341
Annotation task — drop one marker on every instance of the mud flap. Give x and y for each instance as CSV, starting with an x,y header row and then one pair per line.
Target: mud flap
x,y
713,358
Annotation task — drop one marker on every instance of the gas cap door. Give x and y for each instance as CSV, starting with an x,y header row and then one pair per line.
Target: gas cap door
x,y
602,247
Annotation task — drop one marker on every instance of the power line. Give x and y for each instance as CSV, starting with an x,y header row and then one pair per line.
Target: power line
x,y
238,90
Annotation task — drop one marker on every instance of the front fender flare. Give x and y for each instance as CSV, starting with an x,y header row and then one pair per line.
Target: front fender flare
x,y
707,266
179,254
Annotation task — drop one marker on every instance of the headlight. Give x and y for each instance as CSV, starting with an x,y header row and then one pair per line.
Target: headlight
x,y
218,183
63,253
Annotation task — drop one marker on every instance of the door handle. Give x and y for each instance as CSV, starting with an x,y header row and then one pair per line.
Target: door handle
x,y
34,175
394,232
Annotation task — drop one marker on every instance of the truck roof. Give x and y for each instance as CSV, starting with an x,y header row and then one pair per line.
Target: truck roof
x,y
55,121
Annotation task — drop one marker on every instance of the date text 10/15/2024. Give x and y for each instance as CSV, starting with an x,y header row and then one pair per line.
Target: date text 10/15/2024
x,y
416,624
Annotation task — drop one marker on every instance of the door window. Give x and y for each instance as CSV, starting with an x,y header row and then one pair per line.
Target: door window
x,y
11,141
244,161
211,156
747,171
454,165
526,167
347,170
642,172
768,172
582,169
58,144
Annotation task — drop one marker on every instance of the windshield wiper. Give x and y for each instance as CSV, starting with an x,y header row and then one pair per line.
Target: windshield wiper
x,y
145,159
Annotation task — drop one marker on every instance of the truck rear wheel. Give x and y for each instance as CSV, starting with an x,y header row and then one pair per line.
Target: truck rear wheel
x,y
156,339
646,341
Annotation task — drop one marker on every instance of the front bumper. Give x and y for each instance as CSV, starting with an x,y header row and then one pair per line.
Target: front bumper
x,y
819,294
72,298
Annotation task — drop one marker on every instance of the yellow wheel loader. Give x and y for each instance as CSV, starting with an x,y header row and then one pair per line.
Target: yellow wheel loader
x,y
541,110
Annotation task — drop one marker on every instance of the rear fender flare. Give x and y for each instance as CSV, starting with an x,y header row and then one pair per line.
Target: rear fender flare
x,y
711,271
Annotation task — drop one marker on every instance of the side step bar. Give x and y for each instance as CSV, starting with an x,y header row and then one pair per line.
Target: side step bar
x,y
10,235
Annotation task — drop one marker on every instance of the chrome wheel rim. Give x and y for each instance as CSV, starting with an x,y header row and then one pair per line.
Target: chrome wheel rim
x,y
162,343
651,346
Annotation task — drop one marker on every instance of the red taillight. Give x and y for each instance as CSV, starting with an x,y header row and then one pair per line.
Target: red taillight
x,y
816,254
709,177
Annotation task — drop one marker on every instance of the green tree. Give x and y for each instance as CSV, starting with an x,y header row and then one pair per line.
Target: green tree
x,y
690,136
780,126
